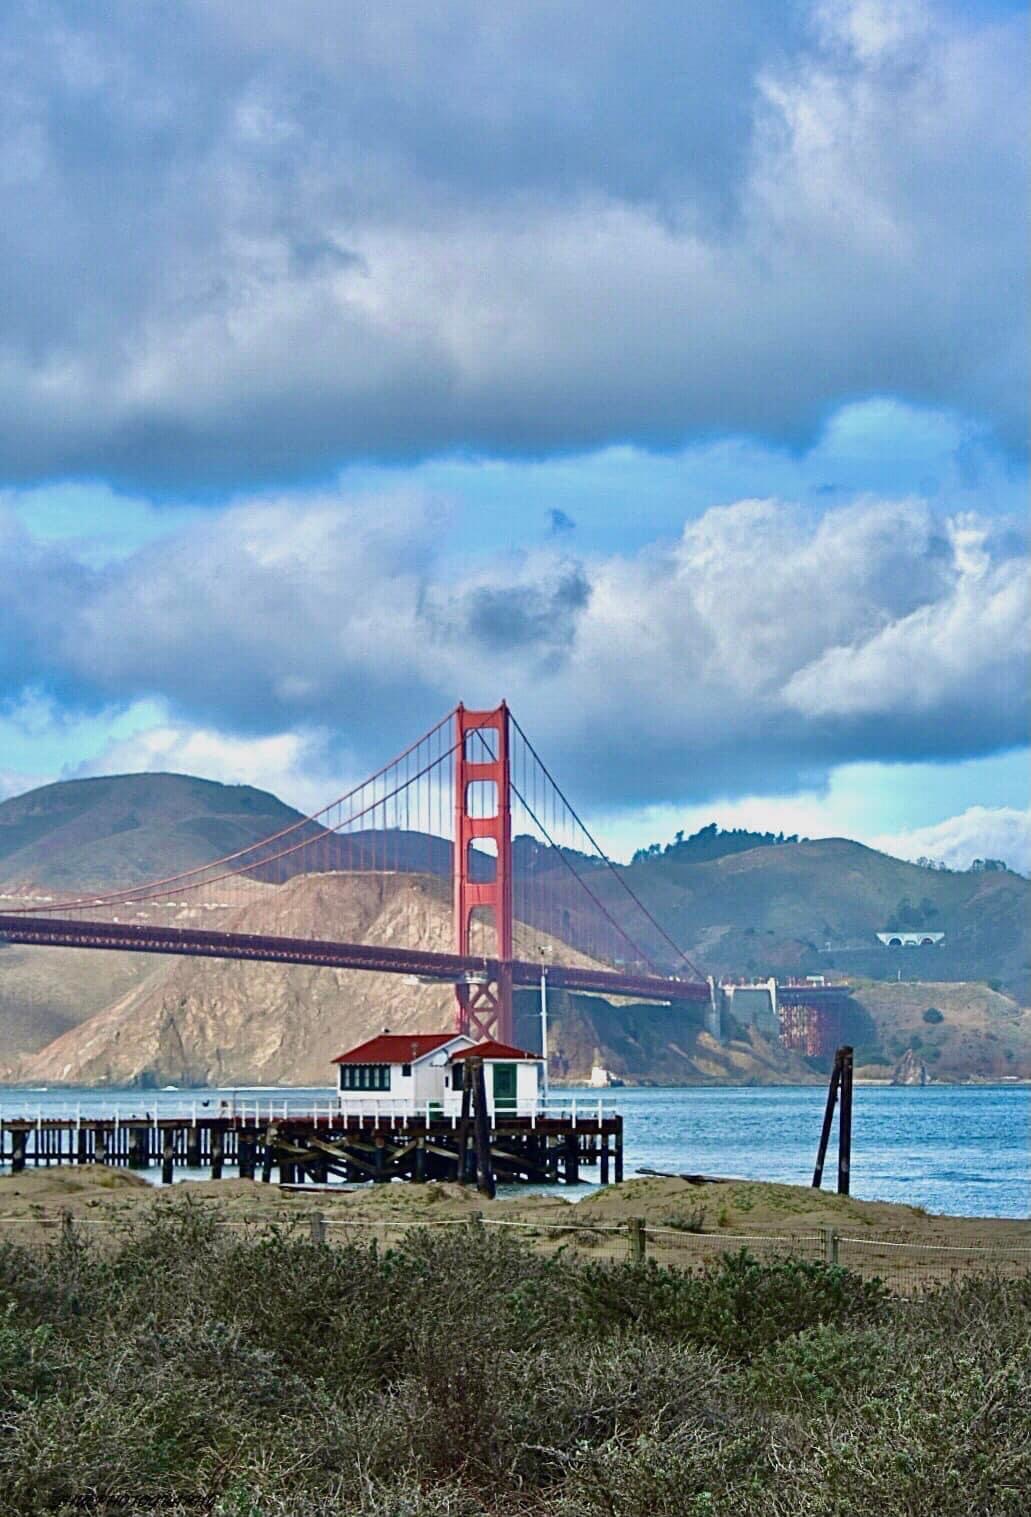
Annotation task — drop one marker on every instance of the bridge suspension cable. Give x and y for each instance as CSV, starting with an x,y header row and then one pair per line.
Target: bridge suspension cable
x,y
470,801
617,874
201,874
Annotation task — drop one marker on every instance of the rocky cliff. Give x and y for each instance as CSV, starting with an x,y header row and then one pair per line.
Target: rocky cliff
x,y
193,1021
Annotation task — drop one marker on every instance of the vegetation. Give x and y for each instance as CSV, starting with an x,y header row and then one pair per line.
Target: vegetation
x,y
909,918
713,842
193,1370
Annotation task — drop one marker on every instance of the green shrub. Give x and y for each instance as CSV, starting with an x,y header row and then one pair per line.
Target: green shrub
x,y
188,1371
735,1304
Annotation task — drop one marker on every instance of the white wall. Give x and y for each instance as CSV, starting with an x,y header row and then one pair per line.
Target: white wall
x,y
528,1077
527,1087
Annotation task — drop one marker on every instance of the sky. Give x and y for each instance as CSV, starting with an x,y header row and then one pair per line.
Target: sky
x,y
661,369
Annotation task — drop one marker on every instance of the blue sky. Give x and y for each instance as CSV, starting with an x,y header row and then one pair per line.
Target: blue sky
x,y
664,373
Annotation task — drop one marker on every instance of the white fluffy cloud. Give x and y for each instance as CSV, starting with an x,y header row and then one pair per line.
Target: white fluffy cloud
x,y
249,241
287,764
762,648
980,832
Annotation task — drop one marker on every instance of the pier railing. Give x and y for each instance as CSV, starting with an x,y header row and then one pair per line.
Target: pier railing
x,y
258,1112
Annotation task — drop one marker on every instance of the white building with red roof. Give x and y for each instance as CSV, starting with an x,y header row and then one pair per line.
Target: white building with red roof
x,y
513,1077
425,1072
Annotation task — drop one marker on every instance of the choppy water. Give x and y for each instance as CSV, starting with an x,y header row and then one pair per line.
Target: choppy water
x,y
959,1149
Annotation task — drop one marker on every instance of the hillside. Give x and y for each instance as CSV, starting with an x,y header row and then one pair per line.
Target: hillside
x,y
210,1022
959,1032
792,908
124,828
810,907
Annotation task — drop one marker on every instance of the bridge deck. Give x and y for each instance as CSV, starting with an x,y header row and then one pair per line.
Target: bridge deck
x,y
448,967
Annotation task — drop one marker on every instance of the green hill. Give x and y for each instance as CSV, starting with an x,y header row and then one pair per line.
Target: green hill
x,y
781,908
778,908
814,907
125,828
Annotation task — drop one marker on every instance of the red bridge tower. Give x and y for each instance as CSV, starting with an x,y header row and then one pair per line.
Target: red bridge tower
x,y
483,811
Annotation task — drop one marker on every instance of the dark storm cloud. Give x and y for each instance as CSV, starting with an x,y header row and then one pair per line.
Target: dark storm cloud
x,y
250,240
532,617
757,651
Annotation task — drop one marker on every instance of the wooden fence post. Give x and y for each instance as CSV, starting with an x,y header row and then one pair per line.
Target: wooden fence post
x,y
830,1244
463,1128
318,1227
638,1236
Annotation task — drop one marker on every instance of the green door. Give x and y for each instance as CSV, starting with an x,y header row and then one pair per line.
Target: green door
x,y
504,1087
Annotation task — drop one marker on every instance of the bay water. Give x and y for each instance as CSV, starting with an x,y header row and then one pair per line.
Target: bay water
x,y
962,1149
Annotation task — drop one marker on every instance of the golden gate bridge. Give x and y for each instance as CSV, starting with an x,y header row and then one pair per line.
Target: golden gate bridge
x,y
469,804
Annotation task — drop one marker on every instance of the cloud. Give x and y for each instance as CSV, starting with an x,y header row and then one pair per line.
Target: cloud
x,y
950,656
290,765
760,649
245,243
537,613
980,832
560,521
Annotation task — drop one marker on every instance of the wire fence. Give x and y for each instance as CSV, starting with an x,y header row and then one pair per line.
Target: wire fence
x,y
905,1266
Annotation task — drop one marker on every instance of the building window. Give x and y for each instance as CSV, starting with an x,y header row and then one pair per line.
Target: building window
x,y
365,1077
406,1069
457,1072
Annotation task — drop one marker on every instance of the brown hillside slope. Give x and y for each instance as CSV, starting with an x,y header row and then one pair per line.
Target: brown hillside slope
x,y
44,992
981,1035
224,1023
221,1022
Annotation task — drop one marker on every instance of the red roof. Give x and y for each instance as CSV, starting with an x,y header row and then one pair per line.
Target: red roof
x,y
395,1048
492,1050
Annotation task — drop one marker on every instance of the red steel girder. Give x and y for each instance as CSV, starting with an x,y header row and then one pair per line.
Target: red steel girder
x,y
192,942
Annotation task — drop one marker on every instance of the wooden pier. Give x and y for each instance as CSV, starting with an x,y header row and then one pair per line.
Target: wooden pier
x,y
324,1144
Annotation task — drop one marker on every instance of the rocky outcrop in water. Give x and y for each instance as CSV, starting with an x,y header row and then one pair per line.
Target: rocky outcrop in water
x,y
910,1070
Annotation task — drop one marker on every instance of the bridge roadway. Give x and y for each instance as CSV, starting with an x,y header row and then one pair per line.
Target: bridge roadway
x,y
190,942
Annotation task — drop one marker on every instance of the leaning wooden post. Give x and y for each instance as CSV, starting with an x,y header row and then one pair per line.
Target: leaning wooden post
x,y
481,1125
845,1123
828,1118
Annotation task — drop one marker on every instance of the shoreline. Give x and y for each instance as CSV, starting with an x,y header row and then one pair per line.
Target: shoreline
x,y
1004,1082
